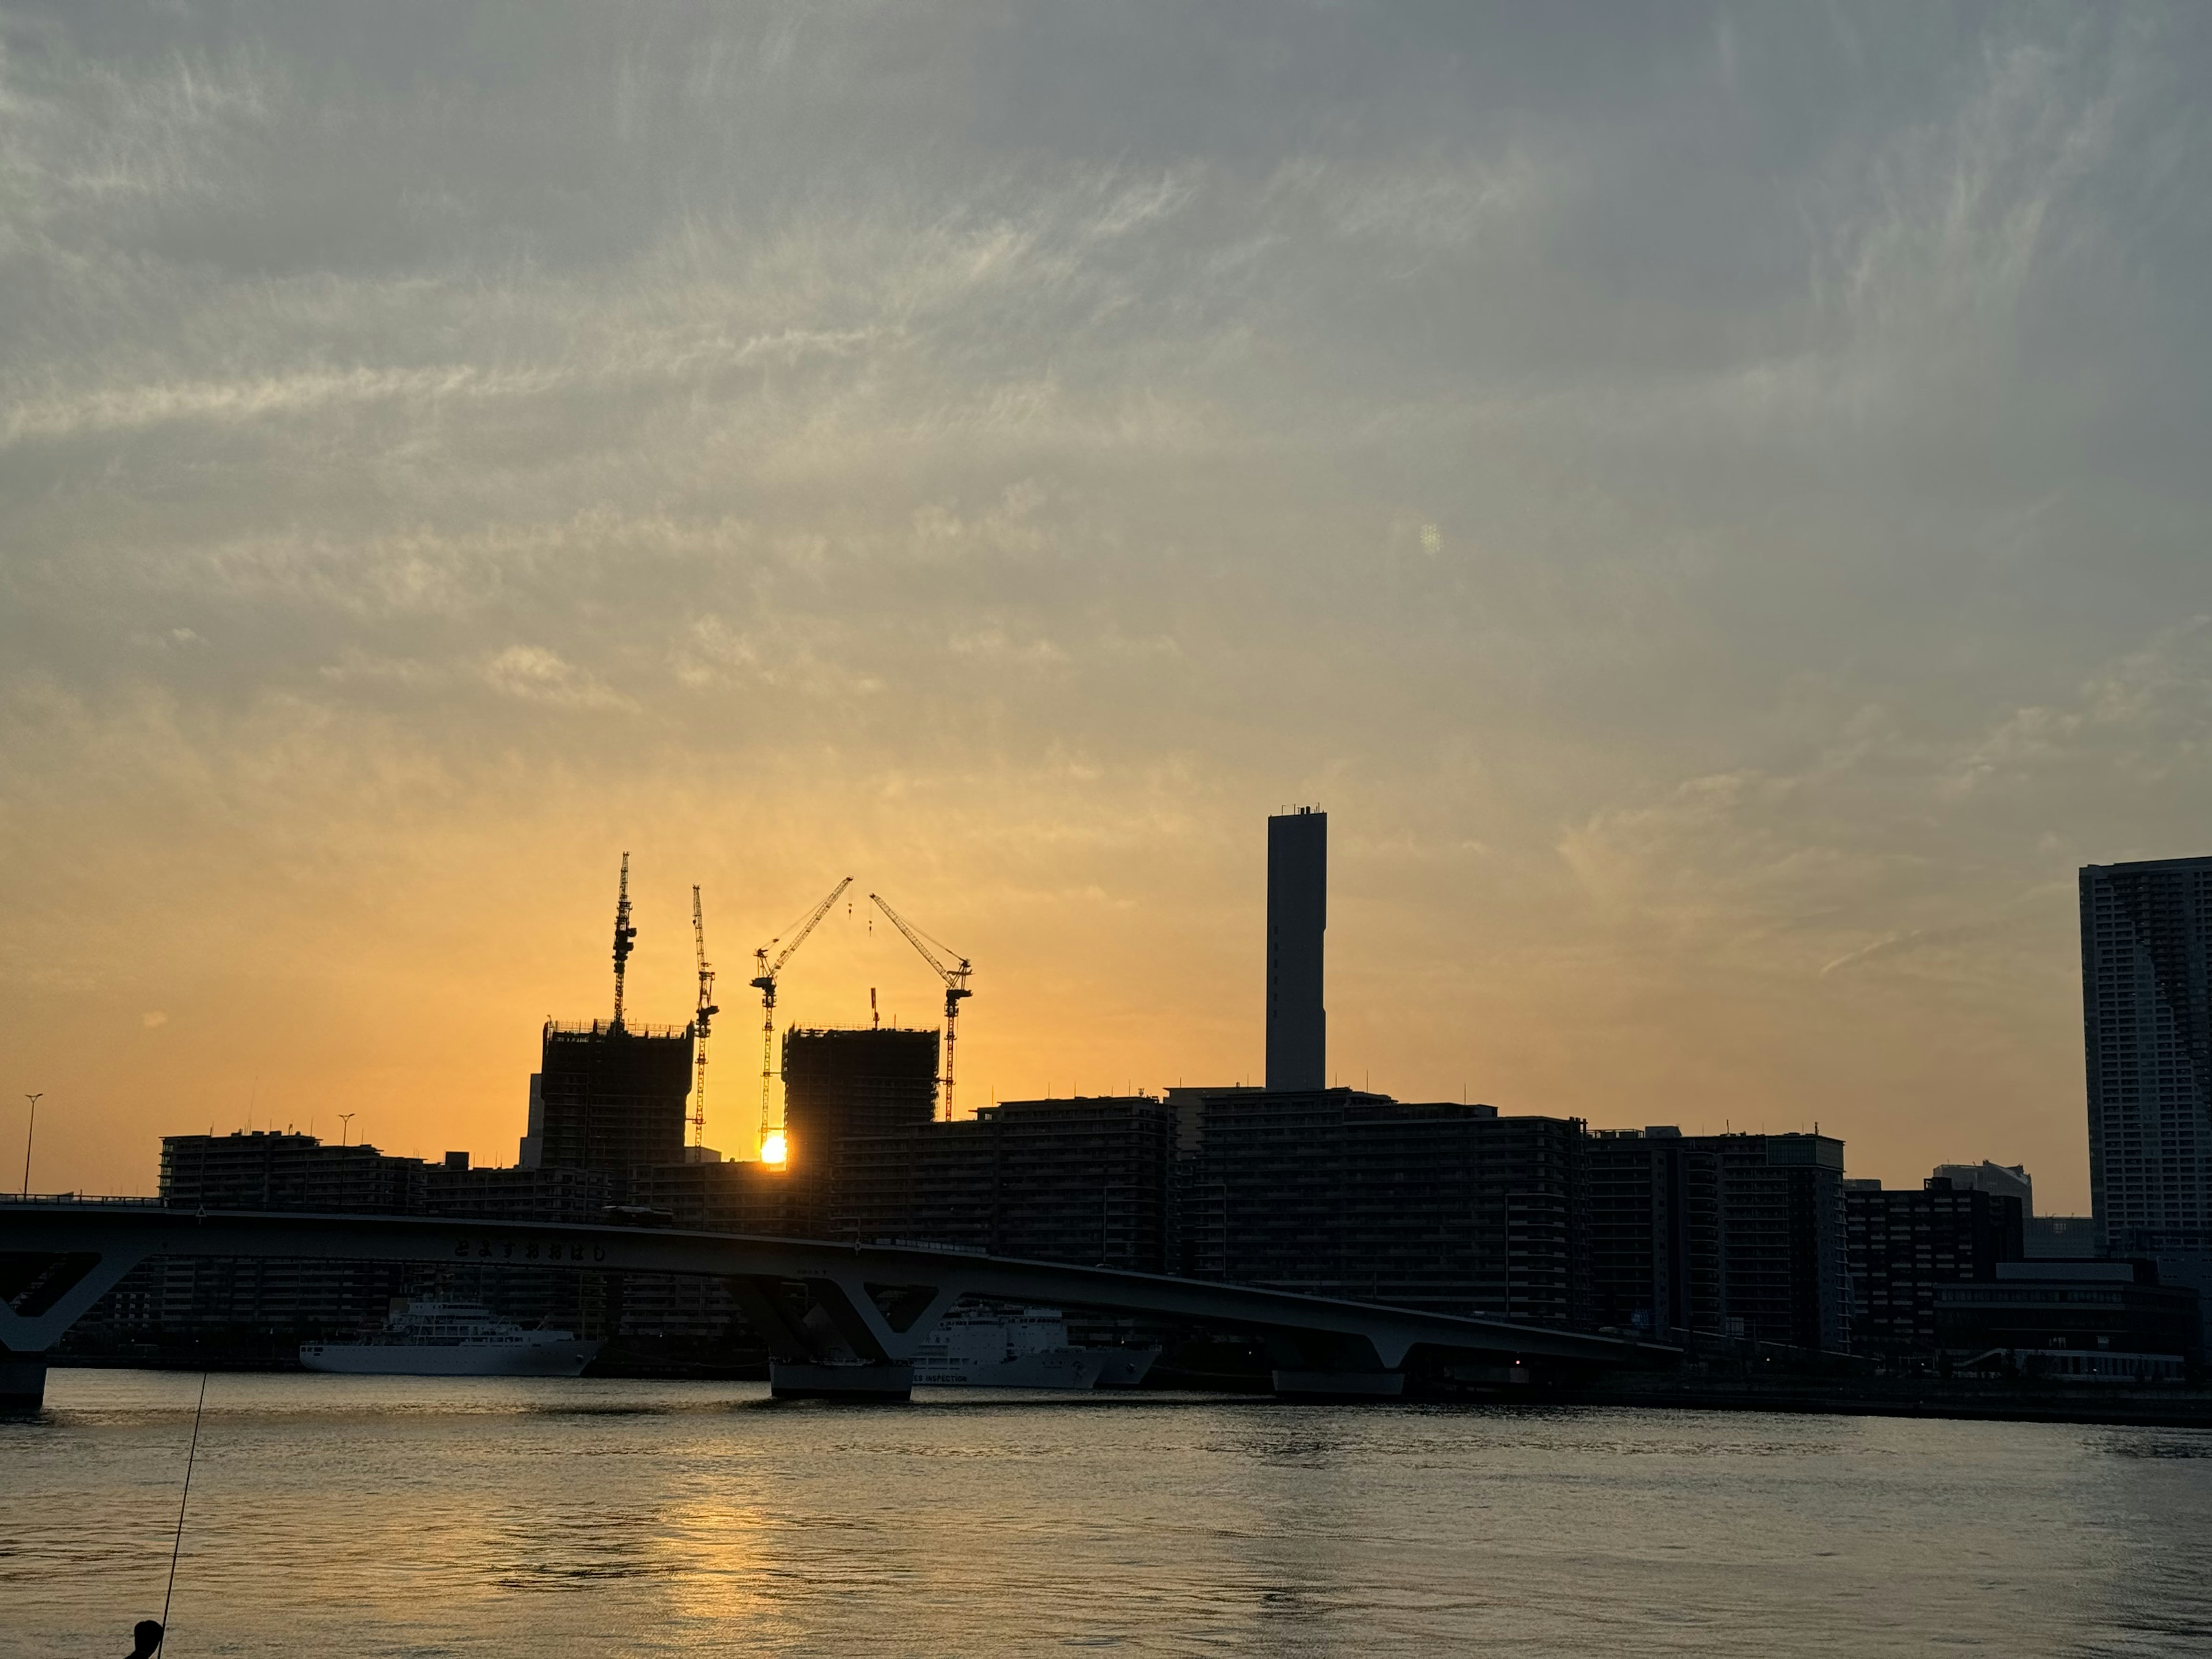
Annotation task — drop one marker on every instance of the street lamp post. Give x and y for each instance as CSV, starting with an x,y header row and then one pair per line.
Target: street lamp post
x,y
345,1127
28,1133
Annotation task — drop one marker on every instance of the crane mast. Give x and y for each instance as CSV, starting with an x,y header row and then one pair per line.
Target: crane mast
x,y
952,968
700,1021
625,938
764,982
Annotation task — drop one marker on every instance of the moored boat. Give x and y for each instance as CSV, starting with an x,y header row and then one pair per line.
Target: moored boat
x,y
452,1339
983,1349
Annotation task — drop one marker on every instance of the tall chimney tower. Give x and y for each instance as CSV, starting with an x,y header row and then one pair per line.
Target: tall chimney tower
x,y
1298,914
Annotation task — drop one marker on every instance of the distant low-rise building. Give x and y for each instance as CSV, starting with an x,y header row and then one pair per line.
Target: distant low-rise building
x,y
1904,1244
2004,1180
2035,1316
2060,1238
264,1170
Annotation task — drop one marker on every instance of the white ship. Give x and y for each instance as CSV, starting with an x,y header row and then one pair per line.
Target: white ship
x,y
452,1339
981,1348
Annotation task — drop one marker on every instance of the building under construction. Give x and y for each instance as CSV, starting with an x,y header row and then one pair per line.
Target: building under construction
x,y
613,1095
839,1084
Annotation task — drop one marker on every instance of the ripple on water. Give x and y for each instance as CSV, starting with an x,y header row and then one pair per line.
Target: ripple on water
x,y
383,1516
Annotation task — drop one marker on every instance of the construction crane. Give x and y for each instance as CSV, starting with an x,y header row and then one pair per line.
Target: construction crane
x,y
952,968
700,1021
625,940
764,982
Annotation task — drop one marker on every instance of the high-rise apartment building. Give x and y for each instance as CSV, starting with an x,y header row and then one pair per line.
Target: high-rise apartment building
x,y
2147,1030
1728,1235
1298,920
1336,1192
1086,1181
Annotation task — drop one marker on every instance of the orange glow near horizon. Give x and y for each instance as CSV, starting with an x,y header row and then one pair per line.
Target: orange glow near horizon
x,y
1127,957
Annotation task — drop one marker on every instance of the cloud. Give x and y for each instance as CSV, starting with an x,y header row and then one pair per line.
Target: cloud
x,y
1718,518
1825,867
534,674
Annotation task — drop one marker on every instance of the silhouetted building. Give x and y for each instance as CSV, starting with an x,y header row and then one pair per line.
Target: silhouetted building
x,y
1335,1192
2147,1024
1655,1232
255,1300
530,1151
838,1084
1298,920
1732,1236
1903,1244
730,1197
252,1302
2051,1318
1085,1181
613,1096
1456,1209
2060,1238
264,1170
524,1195
2006,1180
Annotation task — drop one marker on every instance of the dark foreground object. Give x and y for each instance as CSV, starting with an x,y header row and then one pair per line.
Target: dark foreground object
x,y
23,1382
145,1639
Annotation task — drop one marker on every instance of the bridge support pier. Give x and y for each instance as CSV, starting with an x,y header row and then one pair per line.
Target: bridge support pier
x,y
22,1383
1314,1366
885,1380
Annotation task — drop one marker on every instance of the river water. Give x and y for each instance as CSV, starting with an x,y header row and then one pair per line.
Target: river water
x,y
371,1517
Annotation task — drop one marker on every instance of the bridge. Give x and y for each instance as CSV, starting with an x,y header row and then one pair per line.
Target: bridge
x,y
840,1320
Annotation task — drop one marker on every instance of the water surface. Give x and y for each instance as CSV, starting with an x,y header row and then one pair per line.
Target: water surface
x,y
376,1517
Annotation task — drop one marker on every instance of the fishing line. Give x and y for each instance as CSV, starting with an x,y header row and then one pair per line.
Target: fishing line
x,y
176,1547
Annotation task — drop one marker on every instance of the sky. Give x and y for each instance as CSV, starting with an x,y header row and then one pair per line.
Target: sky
x,y
1711,500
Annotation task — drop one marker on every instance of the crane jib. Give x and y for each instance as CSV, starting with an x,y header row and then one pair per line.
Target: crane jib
x,y
764,982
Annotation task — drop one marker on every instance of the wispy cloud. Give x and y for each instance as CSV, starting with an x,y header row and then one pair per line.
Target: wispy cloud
x,y
1717,522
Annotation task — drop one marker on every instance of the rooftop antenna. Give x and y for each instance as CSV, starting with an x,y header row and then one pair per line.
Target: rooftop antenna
x,y
624,937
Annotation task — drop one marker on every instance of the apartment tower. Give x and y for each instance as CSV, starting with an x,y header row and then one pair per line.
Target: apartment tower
x,y
1297,916
2147,1032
